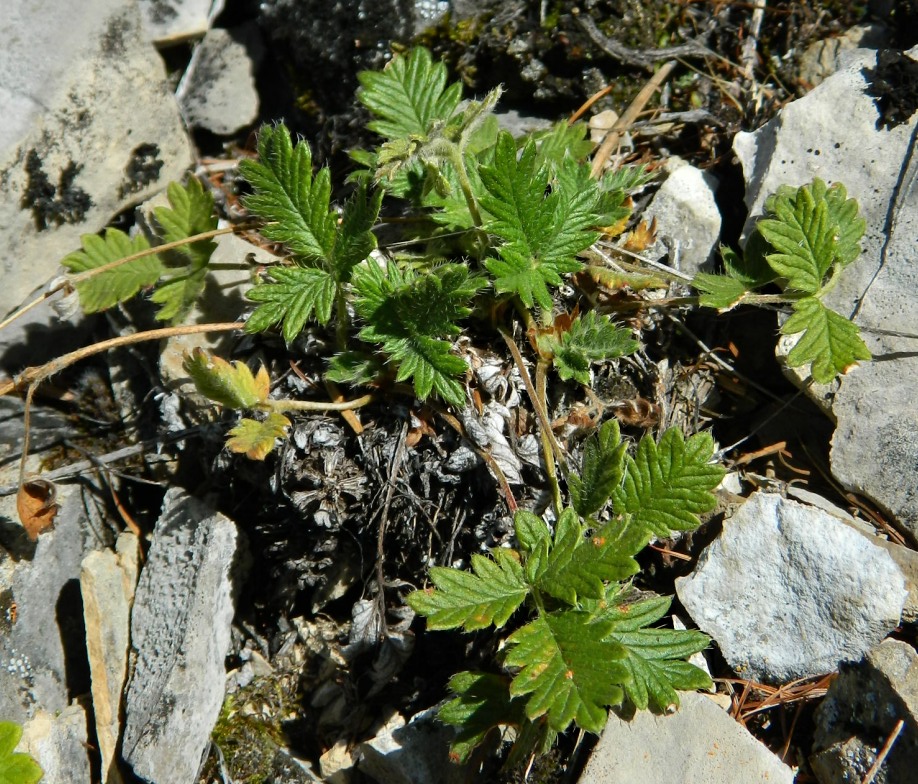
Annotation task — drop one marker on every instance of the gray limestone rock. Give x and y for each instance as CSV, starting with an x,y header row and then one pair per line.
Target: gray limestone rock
x,y
832,133
180,633
42,642
700,742
413,753
789,591
168,22
861,711
59,744
218,91
89,127
688,219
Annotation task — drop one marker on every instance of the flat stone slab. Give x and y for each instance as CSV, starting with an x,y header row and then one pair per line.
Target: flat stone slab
x,y
89,127
832,133
697,743
788,591
180,632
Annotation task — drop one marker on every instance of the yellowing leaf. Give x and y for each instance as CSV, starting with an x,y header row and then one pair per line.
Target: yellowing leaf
x,y
641,236
230,385
256,439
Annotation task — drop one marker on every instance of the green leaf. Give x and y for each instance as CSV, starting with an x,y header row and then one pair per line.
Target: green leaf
x,y
541,235
408,95
353,367
719,291
295,204
120,283
296,294
232,386
530,530
489,595
832,343
591,338
627,178
407,312
655,659
602,471
569,667
482,704
666,487
255,439
560,141
843,212
804,233
577,566
752,267
15,768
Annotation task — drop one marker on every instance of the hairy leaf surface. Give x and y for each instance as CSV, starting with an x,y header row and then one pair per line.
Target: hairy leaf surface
x,y
119,283
666,487
408,95
473,600
541,235
591,338
230,385
408,312
602,470
830,342
295,295
570,668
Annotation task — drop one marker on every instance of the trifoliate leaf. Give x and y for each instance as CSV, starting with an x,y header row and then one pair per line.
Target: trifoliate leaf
x,y
804,233
255,438
482,704
577,566
120,283
296,294
15,768
591,338
408,95
530,530
489,595
832,343
541,235
602,470
569,667
230,385
407,312
668,485
719,291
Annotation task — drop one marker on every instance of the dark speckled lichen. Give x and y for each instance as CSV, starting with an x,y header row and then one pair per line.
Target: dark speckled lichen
x,y
50,205
142,168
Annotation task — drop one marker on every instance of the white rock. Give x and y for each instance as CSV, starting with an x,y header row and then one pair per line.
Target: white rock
x,y
180,631
700,742
218,91
88,122
688,219
169,22
788,591
831,133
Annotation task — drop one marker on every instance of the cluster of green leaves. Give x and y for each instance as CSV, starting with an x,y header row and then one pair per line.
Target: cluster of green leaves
x,y
15,767
815,234
525,210
582,642
178,275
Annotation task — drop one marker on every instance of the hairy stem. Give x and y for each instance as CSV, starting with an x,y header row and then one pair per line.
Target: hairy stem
x,y
317,405
343,325
458,160
542,392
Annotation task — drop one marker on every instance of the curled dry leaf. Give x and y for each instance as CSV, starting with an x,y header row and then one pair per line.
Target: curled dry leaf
x,y
36,506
